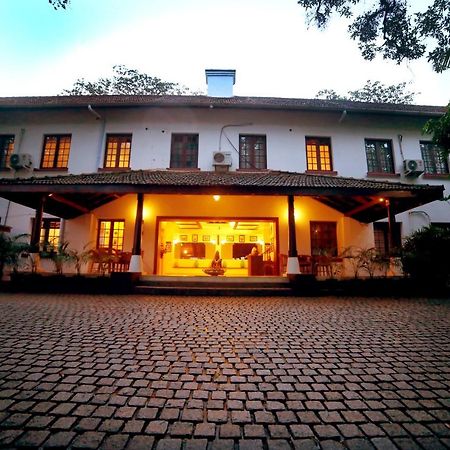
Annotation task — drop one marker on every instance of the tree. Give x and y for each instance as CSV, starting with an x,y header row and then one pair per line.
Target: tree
x,y
59,3
390,29
126,82
373,92
440,130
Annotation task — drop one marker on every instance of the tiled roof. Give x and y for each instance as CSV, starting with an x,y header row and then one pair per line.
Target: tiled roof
x,y
240,179
202,101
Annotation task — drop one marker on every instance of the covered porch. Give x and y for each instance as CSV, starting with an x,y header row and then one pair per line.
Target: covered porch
x,y
173,222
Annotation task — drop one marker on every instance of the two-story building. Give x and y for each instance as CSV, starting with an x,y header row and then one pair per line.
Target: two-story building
x,y
171,180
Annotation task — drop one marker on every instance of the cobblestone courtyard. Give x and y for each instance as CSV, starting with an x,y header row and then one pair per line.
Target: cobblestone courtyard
x,y
159,373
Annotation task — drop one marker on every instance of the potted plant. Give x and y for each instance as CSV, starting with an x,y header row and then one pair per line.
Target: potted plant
x,y
11,248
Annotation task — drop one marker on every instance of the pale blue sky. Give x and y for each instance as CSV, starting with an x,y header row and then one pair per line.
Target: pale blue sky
x,y
266,41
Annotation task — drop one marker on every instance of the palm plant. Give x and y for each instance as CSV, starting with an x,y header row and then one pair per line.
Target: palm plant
x,y
11,248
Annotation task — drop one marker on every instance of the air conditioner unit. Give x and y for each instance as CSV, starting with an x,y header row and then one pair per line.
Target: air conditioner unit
x,y
21,161
221,159
413,167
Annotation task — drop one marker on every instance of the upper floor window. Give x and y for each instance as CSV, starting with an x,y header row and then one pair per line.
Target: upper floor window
x,y
118,151
379,156
318,154
6,149
252,152
184,151
434,161
110,235
56,151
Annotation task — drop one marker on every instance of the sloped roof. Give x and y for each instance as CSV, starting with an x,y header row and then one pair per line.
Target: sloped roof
x,y
202,101
72,195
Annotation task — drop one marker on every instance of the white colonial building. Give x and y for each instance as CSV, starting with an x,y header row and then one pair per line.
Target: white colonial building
x,y
171,180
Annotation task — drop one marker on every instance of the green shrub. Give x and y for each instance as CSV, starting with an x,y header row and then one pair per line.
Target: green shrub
x,y
426,255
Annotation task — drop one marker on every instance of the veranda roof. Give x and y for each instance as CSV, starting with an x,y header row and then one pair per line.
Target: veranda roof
x,y
69,196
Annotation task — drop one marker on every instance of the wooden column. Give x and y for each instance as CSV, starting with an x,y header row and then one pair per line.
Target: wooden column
x,y
136,258
36,235
391,227
36,231
293,267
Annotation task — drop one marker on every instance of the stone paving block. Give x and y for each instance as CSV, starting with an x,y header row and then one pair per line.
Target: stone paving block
x,y
32,439
60,439
169,444
251,444
196,444
115,442
140,442
88,440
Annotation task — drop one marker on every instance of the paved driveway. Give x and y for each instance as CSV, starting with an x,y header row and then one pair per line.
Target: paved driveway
x,y
141,372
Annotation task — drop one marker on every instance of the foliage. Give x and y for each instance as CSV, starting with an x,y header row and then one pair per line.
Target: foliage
x,y
61,256
426,253
387,27
59,3
11,248
126,81
366,259
79,258
373,92
440,130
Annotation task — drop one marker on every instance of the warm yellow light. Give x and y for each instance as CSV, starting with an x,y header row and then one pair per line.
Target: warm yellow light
x,y
216,198
297,214
381,199
232,224
146,212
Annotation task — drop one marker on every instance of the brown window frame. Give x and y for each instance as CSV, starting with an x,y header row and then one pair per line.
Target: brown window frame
x,y
248,158
328,245
6,149
434,162
54,162
121,139
111,247
182,156
322,164
381,237
375,165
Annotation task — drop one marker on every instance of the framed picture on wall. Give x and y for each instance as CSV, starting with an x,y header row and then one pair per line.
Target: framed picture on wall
x,y
253,238
183,237
206,238
241,238
230,238
195,238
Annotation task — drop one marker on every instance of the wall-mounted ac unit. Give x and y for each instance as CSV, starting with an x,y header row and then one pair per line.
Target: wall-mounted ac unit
x,y
221,159
21,161
413,167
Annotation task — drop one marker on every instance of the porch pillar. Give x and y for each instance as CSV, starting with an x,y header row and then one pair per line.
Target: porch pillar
x,y
136,257
391,225
36,235
293,267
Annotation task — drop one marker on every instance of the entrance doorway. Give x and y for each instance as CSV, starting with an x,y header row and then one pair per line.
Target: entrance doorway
x,y
245,246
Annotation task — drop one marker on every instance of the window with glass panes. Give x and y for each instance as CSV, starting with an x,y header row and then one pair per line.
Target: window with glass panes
x,y
318,154
252,152
434,161
6,149
117,151
55,154
323,238
110,234
184,151
50,233
379,156
381,237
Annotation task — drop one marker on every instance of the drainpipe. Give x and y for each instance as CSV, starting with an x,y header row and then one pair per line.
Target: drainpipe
x,y
293,266
102,133
136,257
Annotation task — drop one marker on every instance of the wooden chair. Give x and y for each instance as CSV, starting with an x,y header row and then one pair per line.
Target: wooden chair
x,y
323,267
121,262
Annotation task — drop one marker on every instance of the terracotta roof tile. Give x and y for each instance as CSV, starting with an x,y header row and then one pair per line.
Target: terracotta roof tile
x,y
254,179
202,101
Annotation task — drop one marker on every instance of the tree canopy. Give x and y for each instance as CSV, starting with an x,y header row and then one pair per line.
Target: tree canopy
x,y
125,81
387,27
59,3
440,131
373,92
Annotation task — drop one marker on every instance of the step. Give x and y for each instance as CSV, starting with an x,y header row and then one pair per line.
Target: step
x,y
213,290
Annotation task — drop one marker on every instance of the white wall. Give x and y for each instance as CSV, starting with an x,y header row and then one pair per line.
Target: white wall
x,y
285,130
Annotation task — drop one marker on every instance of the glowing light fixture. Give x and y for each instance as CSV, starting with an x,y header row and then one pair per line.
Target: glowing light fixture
x,y
216,198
